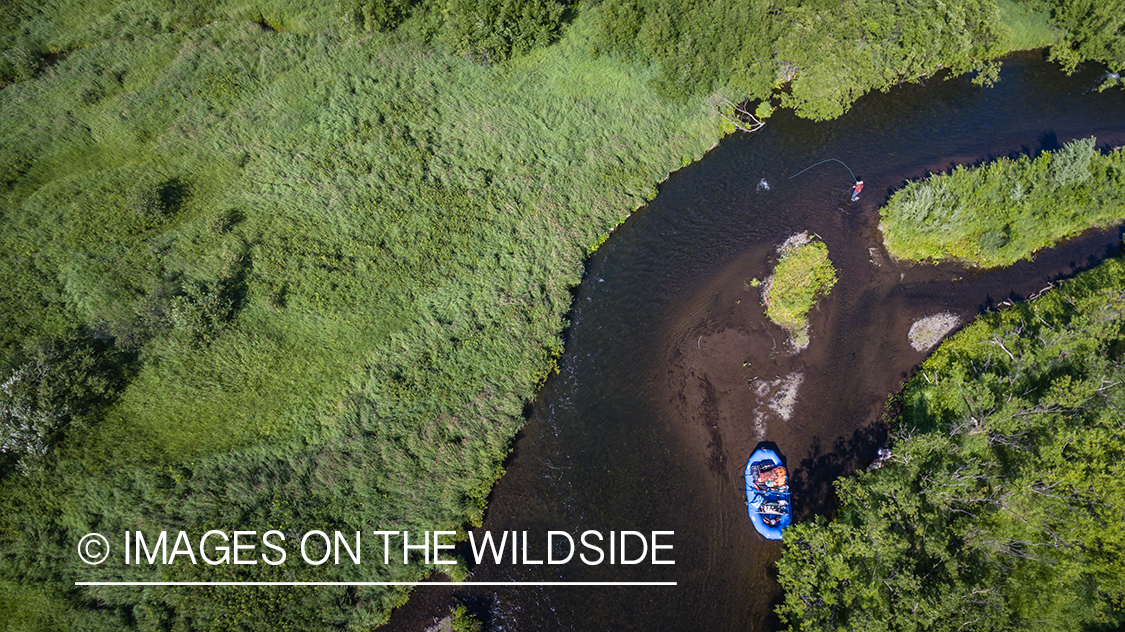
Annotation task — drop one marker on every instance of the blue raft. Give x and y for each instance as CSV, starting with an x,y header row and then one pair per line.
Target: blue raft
x,y
767,493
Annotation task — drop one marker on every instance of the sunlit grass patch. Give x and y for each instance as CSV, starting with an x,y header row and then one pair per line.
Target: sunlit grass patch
x,y
999,213
1027,28
802,275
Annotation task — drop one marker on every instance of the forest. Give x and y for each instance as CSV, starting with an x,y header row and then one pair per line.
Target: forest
x,y
302,265
1001,507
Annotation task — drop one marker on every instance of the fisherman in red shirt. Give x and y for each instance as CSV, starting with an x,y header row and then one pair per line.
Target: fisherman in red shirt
x,y
857,188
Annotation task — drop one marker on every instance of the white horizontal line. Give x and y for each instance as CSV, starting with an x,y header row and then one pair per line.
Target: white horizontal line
x,y
375,583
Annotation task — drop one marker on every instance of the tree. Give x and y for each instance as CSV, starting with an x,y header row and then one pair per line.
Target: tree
x,y
51,386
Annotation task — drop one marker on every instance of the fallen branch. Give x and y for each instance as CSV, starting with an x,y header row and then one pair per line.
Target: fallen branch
x,y
741,114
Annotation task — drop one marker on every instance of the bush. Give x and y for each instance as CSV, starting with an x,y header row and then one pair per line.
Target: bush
x,y
1001,504
375,15
51,386
1071,164
830,55
1095,29
155,203
802,275
491,31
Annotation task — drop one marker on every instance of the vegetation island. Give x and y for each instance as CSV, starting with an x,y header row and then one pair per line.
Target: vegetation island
x,y
803,273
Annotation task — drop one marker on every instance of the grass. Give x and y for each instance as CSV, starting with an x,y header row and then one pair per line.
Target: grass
x,y
1026,27
999,213
802,275
329,268
338,266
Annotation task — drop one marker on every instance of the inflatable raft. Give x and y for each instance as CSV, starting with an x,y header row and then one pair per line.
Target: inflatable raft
x,y
767,493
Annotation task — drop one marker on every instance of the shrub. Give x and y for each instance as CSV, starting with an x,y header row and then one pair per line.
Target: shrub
x,y
803,274
494,30
1004,211
50,386
1001,504
154,203
375,15
1071,164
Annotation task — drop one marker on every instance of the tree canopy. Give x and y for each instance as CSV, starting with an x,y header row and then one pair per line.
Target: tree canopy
x,y
1001,508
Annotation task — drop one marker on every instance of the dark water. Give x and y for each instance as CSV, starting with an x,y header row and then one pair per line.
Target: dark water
x,y
669,360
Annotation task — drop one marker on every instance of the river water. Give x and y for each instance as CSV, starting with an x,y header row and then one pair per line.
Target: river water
x,y
670,367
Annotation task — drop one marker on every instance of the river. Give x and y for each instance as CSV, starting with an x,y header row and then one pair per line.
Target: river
x,y
670,365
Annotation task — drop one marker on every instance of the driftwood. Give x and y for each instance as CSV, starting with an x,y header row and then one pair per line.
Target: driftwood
x,y
743,119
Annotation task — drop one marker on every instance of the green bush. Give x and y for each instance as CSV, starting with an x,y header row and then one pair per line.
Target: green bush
x,y
464,621
493,30
803,273
375,15
159,202
829,55
1095,29
1071,164
51,386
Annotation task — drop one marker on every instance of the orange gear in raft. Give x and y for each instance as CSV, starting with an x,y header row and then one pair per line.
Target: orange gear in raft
x,y
773,477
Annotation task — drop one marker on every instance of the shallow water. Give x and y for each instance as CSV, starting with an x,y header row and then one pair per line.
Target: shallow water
x,y
663,389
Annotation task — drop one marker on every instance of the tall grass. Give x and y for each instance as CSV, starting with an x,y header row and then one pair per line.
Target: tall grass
x,y
999,213
1027,28
802,275
338,266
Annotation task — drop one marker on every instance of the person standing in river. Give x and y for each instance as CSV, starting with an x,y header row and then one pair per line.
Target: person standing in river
x,y
857,188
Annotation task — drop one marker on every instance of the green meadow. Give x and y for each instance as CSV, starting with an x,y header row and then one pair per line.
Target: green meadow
x,y
321,274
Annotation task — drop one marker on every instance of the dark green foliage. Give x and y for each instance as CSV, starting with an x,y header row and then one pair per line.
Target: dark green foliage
x,y
831,53
1006,210
375,15
494,30
1095,30
696,46
463,621
155,203
50,386
1002,507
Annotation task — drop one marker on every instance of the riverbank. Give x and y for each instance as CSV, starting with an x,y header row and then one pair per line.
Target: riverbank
x,y
1007,445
